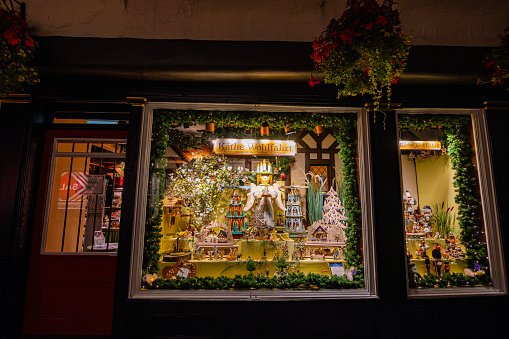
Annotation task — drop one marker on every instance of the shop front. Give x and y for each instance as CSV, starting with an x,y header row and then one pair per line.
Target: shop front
x,y
220,208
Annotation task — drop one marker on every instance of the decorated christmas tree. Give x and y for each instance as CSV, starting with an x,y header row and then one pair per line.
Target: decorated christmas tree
x,y
334,212
330,229
235,219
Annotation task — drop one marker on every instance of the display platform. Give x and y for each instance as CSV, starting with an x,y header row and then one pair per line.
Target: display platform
x,y
255,249
456,266
223,267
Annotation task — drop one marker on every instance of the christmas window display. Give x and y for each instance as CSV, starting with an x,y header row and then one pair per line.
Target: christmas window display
x,y
232,204
443,214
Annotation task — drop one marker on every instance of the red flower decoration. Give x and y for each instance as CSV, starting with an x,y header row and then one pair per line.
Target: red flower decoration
x,y
381,20
353,52
312,82
16,54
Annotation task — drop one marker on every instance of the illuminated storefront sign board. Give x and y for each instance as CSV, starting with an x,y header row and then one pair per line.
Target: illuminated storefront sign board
x,y
255,147
422,145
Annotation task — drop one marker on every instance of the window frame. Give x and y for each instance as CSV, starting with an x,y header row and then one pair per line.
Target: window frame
x,y
365,187
54,155
489,209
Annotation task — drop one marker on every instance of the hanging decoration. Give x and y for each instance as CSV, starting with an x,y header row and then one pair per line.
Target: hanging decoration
x,y
497,61
17,53
363,52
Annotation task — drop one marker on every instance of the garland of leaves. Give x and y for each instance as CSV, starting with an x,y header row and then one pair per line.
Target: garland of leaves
x,y
161,138
346,136
164,134
445,280
251,281
252,119
456,130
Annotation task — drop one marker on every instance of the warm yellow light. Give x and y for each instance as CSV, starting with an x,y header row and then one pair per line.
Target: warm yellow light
x,y
422,145
255,147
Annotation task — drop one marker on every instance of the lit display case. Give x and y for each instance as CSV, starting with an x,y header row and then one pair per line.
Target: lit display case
x,y
255,200
448,198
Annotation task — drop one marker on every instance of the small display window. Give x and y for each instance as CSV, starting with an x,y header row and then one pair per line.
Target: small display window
x,y
447,198
85,196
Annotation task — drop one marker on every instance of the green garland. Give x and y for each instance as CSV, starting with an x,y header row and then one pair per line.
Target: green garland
x,y
456,131
164,134
252,119
346,136
161,138
251,281
445,280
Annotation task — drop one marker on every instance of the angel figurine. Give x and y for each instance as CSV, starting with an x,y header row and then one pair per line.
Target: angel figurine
x,y
265,193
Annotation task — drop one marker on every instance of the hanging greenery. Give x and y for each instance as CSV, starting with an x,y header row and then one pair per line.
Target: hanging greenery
x,y
346,136
164,134
456,130
497,61
16,52
251,119
161,138
364,51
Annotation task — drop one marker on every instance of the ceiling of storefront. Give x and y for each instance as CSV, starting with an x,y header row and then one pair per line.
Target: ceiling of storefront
x,y
471,23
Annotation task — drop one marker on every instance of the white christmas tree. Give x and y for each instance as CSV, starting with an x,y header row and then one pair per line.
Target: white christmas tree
x,y
334,212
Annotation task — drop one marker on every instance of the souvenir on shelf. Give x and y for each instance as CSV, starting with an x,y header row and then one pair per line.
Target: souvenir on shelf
x,y
181,269
265,193
416,223
259,229
329,231
214,236
294,224
235,218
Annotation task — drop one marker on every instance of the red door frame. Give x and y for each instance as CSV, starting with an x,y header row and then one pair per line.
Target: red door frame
x,y
67,294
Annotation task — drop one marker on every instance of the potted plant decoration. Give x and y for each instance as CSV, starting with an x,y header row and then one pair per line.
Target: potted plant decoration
x,y
16,53
498,62
363,52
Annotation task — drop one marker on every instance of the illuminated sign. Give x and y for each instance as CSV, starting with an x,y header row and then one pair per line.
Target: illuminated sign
x,y
255,147
423,145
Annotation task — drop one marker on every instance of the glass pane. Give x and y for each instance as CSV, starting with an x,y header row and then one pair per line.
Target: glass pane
x,y
109,148
121,147
85,204
70,146
444,223
231,205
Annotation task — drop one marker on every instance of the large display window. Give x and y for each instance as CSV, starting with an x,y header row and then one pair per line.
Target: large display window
x,y
450,217
257,200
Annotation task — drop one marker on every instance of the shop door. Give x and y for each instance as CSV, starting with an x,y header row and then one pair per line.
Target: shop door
x,y
73,257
